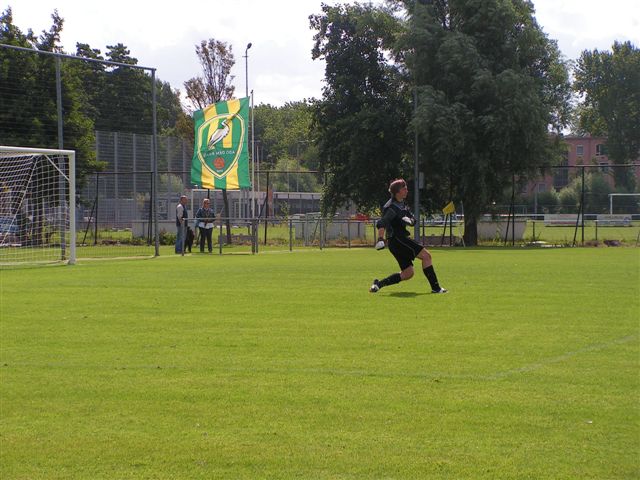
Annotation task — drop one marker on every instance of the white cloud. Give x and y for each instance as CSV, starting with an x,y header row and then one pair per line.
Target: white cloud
x,y
280,65
588,24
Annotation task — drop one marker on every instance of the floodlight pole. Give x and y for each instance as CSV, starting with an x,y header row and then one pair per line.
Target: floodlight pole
x,y
246,91
416,169
246,69
416,173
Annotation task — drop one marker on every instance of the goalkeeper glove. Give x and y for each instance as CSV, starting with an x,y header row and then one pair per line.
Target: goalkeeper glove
x,y
380,244
408,220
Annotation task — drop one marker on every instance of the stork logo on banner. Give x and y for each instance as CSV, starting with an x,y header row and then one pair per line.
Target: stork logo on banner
x,y
223,137
220,152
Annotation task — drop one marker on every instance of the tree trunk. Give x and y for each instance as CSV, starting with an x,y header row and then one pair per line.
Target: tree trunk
x,y
470,236
228,215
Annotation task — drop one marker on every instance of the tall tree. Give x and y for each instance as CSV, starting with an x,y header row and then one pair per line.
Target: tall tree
x,y
216,59
491,88
126,102
18,124
286,132
360,123
609,82
28,114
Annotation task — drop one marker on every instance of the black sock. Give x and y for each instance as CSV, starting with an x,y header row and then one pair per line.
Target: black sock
x,y
390,280
430,273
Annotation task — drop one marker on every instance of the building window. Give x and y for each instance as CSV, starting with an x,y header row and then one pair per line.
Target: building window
x,y
604,167
561,175
580,150
601,149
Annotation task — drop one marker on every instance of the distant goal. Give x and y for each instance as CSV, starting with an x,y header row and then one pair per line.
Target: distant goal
x,y
37,206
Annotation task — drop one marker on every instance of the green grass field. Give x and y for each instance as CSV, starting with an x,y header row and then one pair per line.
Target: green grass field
x,y
282,365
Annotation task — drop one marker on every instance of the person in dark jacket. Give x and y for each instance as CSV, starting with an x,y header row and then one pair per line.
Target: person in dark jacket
x,y
182,216
396,216
204,221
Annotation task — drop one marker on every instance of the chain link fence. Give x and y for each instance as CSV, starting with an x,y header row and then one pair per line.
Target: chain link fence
x,y
109,114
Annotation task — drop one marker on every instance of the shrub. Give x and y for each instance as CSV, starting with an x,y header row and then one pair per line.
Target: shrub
x,y
167,238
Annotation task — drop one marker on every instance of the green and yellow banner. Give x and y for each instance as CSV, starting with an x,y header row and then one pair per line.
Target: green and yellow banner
x,y
221,152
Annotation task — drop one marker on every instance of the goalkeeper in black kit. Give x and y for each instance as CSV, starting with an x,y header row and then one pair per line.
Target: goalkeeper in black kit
x,y
396,216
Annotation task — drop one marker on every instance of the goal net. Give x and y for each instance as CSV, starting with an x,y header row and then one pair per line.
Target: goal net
x,y
37,205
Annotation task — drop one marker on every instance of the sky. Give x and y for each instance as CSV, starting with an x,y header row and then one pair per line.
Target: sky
x,y
280,68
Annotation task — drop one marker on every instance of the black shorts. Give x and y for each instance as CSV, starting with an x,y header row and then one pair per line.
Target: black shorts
x,y
404,250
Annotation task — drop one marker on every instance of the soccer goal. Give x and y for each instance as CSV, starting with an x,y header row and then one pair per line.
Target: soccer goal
x,y
37,206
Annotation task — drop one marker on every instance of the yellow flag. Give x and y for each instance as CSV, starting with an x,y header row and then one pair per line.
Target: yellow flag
x,y
449,208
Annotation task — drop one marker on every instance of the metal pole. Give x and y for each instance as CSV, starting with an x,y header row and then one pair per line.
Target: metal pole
x,y
290,234
72,208
220,237
246,69
582,206
513,210
154,165
59,104
416,182
416,173
253,163
246,91
75,57
266,212
61,184
95,215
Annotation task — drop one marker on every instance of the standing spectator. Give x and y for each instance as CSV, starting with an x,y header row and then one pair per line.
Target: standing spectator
x,y
204,220
182,215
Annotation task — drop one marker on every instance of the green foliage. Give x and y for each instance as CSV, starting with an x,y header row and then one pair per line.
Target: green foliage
x,y
167,238
28,115
94,96
568,200
292,182
169,182
597,190
547,201
283,132
362,119
491,85
609,82
216,59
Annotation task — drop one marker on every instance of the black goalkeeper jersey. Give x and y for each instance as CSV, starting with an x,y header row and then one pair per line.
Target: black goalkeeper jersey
x,y
391,221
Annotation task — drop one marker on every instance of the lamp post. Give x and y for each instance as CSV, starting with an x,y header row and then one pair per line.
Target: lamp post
x,y
246,68
416,169
246,80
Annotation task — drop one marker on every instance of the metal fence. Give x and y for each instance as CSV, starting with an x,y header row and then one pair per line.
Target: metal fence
x,y
128,208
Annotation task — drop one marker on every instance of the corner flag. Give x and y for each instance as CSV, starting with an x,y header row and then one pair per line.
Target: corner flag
x,y
221,152
449,208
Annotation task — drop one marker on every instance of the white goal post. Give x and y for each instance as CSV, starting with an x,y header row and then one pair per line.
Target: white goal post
x,y
37,206
611,195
